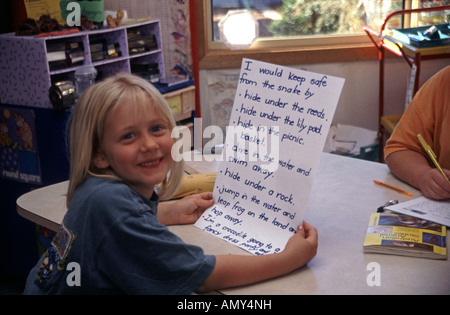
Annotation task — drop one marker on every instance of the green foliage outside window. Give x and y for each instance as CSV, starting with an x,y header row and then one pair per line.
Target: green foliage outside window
x,y
306,17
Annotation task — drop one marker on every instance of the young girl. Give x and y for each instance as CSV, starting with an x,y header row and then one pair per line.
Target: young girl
x,y
114,233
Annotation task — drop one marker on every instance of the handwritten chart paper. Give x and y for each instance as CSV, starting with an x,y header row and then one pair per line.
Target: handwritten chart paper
x,y
278,127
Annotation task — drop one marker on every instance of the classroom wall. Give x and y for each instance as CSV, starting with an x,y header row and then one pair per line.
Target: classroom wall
x,y
358,104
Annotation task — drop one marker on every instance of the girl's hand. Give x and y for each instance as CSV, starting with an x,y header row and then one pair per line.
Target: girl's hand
x,y
302,246
186,210
235,270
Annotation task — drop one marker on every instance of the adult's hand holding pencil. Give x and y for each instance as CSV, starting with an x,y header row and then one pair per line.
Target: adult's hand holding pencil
x,y
413,168
432,155
433,185
435,182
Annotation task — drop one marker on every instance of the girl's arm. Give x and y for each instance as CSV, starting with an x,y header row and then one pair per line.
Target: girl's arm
x,y
186,210
236,270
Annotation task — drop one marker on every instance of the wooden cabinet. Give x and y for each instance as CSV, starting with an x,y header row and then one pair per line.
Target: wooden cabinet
x,y
182,102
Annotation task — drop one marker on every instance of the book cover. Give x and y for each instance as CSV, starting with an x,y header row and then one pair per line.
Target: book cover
x,y
391,233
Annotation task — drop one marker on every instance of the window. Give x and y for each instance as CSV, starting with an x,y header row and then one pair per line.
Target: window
x,y
306,31
293,18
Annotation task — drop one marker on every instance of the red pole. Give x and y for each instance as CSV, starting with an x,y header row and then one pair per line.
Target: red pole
x,y
193,23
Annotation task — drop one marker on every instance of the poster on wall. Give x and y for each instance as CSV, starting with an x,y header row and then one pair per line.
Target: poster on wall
x,y
221,91
19,158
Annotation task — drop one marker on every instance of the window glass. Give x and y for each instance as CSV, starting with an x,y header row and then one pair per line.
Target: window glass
x,y
432,18
296,18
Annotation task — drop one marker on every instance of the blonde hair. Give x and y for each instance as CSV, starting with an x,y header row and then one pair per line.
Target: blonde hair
x,y
87,127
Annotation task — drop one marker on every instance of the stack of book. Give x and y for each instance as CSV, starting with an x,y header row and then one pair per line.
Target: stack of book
x,y
96,49
101,50
139,43
63,54
75,54
146,70
397,234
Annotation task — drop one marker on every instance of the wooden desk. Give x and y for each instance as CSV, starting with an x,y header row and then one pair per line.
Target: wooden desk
x,y
342,198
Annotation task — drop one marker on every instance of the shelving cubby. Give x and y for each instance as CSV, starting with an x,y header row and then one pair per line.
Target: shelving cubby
x,y
26,75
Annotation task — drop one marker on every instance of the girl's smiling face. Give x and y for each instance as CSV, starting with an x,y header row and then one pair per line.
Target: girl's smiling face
x,y
137,146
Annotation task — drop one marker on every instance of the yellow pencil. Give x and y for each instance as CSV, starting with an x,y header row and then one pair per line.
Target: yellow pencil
x,y
432,155
393,188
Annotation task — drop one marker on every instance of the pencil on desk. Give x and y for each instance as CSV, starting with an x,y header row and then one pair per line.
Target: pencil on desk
x,y
393,188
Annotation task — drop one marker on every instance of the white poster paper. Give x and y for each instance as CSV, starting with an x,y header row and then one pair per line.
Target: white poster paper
x,y
278,127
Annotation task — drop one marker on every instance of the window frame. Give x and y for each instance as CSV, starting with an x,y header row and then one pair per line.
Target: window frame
x,y
318,49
